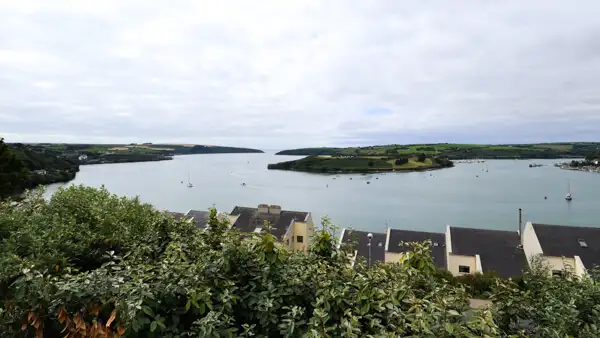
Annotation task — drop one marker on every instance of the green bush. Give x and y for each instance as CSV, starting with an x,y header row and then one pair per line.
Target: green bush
x,y
88,263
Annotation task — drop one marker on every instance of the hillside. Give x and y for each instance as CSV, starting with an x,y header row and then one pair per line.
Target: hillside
x,y
147,148
461,151
32,166
350,164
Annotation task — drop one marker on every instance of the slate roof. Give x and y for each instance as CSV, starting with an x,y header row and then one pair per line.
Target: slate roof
x,y
563,240
438,252
176,215
498,250
362,240
249,219
198,217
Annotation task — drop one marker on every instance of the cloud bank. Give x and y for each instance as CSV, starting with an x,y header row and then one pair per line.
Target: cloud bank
x,y
279,74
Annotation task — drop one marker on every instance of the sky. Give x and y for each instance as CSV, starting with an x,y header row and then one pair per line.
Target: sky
x,y
285,74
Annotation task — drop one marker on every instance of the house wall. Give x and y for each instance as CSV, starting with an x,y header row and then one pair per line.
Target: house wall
x,y
560,263
530,242
300,229
455,260
393,257
579,267
232,219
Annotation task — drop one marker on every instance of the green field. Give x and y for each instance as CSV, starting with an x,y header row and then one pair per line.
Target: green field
x,y
341,164
461,151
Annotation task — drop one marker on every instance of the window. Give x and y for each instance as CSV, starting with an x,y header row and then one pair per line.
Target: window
x,y
380,244
464,269
557,273
582,243
300,239
435,244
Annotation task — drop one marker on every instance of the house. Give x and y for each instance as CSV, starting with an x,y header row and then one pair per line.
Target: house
x,y
563,247
82,157
395,249
481,250
176,215
291,227
360,239
40,172
200,218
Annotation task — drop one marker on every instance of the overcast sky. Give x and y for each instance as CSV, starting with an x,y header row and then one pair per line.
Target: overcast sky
x,y
280,74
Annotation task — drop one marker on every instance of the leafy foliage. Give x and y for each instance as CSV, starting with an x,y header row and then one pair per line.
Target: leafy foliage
x,y
13,173
88,263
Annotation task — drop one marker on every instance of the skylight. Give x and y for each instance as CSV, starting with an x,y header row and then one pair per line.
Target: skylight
x,y
582,243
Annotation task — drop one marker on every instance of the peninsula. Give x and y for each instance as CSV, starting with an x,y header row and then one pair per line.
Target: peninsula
x,y
363,164
133,152
461,151
28,165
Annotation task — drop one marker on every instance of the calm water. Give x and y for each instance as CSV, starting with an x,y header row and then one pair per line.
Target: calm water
x,y
401,200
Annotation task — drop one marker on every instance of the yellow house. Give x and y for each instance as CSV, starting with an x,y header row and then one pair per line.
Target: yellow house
x,y
481,250
291,227
561,247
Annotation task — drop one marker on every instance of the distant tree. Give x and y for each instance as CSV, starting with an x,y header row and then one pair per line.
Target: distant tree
x,y
371,163
421,157
592,157
13,173
401,161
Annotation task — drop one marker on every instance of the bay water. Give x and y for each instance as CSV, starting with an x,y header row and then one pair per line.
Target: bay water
x,y
466,195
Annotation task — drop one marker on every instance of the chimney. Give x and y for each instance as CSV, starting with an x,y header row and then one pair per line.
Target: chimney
x,y
275,209
263,208
521,225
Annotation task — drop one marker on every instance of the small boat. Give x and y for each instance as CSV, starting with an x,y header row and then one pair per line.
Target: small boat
x,y
376,178
569,197
368,182
350,177
243,184
189,185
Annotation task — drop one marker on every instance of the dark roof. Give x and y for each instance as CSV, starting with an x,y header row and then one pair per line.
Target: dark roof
x,y
438,252
498,250
249,219
362,240
563,240
176,215
198,217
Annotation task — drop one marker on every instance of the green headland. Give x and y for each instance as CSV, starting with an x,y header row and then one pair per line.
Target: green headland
x,y
353,164
419,157
455,151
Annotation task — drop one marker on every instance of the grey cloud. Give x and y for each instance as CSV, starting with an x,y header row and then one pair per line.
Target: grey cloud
x,y
299,73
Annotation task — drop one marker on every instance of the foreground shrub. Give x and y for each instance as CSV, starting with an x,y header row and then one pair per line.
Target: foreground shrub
x,y
88,263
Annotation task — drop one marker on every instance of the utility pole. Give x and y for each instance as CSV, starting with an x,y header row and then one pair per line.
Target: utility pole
x,y
370,236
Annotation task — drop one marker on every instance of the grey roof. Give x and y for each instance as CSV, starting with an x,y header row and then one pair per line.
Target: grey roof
x,y
438,252
249,219
176,215
199,217
563,240
362,240
499,251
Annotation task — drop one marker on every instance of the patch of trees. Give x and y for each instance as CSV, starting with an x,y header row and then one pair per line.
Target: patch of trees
x,y
13,173
401,161
421,157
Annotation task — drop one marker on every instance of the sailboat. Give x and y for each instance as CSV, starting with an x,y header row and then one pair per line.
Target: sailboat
x,y
569,196
190,185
